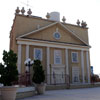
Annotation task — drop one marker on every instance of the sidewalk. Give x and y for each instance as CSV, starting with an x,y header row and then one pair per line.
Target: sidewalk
x,y
72,94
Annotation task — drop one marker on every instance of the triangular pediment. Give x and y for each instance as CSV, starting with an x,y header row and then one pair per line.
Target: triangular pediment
x,y
47,33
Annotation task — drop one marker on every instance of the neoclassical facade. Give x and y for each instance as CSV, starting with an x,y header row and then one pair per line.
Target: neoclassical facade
x,y
62,48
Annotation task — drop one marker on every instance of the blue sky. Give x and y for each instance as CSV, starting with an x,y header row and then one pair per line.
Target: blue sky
x,y
87,10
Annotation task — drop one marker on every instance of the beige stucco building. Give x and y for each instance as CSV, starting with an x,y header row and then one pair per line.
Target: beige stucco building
x,y
62,48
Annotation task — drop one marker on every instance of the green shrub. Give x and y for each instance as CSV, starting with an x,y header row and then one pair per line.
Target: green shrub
x,y
38,72
8,70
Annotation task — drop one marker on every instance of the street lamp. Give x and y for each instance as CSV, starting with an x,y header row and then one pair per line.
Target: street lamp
x,y
28,63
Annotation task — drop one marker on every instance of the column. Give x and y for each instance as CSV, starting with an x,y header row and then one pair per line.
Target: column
x,y
66,55
88,67
19,58
48,65
82,66
27,51
27,56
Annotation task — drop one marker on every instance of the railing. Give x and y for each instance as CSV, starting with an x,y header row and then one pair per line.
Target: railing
x,y
57,79
24,79
95,78
51,79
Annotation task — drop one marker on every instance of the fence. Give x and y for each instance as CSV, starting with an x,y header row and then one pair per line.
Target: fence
x,y
57,79
51,79
24,79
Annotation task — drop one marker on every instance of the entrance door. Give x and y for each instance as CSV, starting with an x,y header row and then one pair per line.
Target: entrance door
x,y
58,75
75,75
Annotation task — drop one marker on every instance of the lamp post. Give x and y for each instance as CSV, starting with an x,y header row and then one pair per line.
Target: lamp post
x,y
28,63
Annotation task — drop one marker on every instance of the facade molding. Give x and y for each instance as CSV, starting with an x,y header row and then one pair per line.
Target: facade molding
x,y
52,44
73,33
66,28
40,29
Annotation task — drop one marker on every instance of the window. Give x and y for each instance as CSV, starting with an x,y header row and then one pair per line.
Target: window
x,y
38,53
57,57
75,57
57,35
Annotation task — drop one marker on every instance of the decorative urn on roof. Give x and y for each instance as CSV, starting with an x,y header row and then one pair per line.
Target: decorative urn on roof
x,y
83,24
23,11
17,10
78,22
64,19
48,16
29,12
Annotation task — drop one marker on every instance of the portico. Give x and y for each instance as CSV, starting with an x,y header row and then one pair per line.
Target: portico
x,y
62,69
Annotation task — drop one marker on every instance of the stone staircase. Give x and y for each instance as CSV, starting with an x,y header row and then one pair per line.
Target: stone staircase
x,y
71,86
77,86
23,92
56,87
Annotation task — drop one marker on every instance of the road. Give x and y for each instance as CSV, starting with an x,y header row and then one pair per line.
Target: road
x,y
72,94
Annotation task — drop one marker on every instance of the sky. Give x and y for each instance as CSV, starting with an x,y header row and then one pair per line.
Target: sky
x,y
86,10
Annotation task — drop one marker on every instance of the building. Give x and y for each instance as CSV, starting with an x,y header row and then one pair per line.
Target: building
x,y
62,48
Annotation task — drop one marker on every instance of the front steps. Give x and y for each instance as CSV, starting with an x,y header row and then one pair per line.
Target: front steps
x,y
71,86
56,87
77,86
23,92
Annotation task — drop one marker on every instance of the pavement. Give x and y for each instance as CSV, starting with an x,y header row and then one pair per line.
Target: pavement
x,y
71,94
